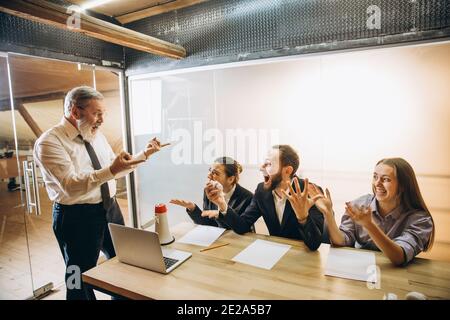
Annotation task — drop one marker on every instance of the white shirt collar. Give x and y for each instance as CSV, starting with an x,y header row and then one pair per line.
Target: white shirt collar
x,y
280,204
229,194
277,198
69,129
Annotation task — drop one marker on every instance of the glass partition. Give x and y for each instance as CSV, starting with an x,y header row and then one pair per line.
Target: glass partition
x,y
30,259
175,109
15,276
39,86
108,83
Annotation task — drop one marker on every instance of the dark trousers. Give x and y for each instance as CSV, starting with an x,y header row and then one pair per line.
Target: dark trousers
x,y
82,231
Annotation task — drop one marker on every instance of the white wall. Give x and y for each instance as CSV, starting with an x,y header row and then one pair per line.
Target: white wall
x,y
342,112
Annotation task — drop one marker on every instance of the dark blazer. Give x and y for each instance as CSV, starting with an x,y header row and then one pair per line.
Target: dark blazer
x,y
263,205
239,201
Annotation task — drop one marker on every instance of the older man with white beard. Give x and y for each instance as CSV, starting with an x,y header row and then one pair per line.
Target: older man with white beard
x,y
79,170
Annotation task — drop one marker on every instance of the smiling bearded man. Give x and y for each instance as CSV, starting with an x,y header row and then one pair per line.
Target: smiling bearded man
x,y
282,200
79,169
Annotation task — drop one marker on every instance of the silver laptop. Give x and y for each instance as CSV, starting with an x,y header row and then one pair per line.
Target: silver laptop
x,y
141,248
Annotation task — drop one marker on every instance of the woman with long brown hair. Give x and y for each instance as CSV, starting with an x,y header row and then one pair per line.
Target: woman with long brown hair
x,y
394,219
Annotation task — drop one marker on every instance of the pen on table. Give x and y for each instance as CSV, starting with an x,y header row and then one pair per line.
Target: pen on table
x,y
213,247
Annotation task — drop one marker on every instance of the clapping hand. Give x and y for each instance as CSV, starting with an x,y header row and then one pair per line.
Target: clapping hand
x,y
299,200
360,215
323,202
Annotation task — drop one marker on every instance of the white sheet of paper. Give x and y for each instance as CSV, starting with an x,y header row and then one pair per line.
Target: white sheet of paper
x,y
351,264
262,254
202,235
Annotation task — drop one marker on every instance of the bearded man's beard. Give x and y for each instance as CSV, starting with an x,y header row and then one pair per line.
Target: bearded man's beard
x,y
85,128
275,182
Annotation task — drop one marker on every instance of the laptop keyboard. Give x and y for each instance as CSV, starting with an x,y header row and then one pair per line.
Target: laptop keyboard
x,y
169,262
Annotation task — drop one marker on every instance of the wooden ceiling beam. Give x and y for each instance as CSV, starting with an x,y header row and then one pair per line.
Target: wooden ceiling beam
x,y
41,98
29,120
155,10
5,103
57,95
58,16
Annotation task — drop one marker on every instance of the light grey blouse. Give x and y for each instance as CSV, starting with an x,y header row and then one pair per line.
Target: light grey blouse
x,y
411,230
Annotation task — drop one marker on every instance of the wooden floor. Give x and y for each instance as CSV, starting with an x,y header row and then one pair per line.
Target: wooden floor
x,y
47,264
60,294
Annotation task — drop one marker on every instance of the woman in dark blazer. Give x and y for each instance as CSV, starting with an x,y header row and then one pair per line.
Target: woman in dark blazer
x,y
224,172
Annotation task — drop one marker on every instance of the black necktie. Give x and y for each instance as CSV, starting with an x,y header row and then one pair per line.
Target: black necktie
x,y
104,189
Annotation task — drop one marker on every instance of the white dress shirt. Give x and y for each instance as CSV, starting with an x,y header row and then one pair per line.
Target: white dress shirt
x,y
280,204
229,194
67,168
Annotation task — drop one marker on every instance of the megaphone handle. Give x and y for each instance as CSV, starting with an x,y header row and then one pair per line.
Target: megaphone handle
x,y
149,223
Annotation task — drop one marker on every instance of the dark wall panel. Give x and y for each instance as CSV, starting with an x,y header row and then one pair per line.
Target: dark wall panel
x,y
221,31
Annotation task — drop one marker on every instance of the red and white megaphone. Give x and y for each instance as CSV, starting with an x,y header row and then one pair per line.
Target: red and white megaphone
x,y
161,225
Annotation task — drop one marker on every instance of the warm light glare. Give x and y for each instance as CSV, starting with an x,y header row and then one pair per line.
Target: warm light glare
x,y
93,4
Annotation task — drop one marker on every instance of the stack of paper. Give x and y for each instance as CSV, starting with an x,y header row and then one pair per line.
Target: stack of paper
x,y
202,235
262,254
351,264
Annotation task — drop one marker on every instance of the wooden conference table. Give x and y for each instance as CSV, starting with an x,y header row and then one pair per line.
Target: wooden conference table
x,y
298,275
